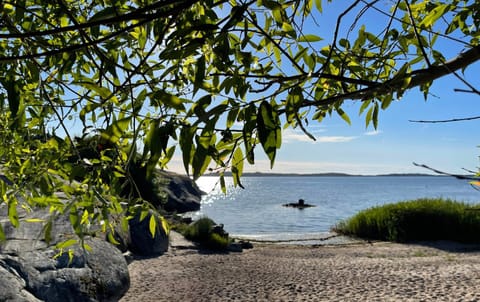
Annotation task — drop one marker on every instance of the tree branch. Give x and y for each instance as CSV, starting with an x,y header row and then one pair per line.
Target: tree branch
x,y
418,77
415,30
446,121
458,176
138,14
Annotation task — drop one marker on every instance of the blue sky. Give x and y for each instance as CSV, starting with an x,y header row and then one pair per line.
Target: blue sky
x,y
397,143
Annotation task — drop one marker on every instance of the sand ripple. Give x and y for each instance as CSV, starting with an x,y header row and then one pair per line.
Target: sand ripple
x,y
369,272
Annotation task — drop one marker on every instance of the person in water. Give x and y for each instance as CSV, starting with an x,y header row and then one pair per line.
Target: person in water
x,y
300,204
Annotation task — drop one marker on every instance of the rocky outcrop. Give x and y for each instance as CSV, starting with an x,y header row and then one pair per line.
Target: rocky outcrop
x,y
183,194
30,270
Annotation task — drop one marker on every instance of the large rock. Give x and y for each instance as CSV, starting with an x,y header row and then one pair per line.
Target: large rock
x,y
166,190
183,194
141,240
29,270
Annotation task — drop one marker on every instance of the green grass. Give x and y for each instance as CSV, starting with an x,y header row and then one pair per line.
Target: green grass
x,y
421,219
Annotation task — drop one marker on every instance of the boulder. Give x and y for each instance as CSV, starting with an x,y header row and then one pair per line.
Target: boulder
x,y
183,194
166,190
141,240
29,270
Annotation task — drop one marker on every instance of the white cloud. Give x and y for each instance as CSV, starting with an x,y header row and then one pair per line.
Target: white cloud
x,y
335,139
290,136
372,133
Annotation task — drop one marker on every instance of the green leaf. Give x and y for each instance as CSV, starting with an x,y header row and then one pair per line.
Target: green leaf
x,y
364,106
103,92
249,146
387,100
2,234
170,100
157,139
434,15
344,116
74,220
116,130
186,145
201,158
66,244
47,230
237,161
368,117
12,212
318,4
232,116
15,103
375,116
269,131
112,239
249,116
199,74
309,38
143,215
164,224
223,186
152,225
34,220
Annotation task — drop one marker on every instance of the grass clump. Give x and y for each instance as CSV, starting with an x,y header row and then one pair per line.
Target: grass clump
x,y
421,219
205,232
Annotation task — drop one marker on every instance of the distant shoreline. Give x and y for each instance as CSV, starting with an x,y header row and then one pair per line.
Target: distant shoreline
x,y
330,174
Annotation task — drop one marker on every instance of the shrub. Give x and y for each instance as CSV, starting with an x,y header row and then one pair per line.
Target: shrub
x,y
422,219
201,231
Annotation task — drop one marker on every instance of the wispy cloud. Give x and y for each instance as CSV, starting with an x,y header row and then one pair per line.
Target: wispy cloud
x,y
290,136
335,139
372,133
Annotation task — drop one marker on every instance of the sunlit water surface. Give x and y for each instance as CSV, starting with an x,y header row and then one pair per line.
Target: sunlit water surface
x,y
256,212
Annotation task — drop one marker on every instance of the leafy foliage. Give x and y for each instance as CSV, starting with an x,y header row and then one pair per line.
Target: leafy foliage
x,y
211,78
201,231
422,219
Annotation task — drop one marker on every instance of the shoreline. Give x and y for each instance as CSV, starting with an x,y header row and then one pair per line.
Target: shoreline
x,y
378,271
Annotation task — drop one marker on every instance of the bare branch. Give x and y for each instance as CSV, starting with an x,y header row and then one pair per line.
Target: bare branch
x,y
446,121
420,44
418,77
458,176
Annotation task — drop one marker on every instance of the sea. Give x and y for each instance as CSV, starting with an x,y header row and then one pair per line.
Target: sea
x,y
256,212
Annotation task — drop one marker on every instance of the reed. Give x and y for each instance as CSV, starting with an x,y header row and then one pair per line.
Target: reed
x,y
415,220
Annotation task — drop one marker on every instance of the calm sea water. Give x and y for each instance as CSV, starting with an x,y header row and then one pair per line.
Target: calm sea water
x,y
256,212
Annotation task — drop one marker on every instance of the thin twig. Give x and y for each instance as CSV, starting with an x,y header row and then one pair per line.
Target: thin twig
x,y
458,176
417,35
446,121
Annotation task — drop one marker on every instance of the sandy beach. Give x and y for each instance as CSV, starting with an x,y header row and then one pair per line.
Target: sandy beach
x,y
378,271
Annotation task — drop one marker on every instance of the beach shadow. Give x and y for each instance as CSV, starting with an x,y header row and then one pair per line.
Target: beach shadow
x,y
449,246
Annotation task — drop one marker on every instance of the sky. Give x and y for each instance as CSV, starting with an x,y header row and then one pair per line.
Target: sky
x,y
397,143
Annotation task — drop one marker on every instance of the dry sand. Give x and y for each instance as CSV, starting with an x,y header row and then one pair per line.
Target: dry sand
x,y
357,272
